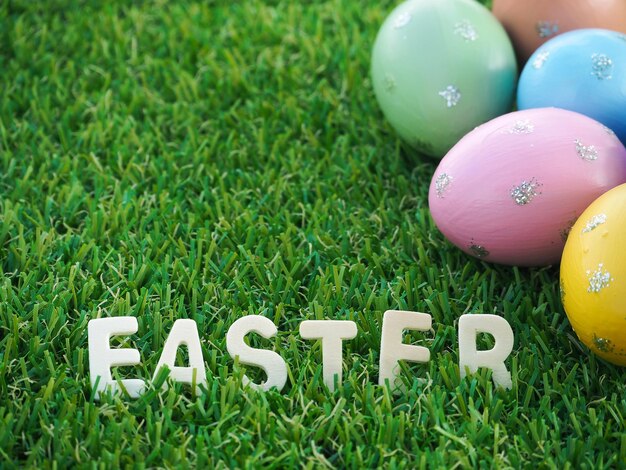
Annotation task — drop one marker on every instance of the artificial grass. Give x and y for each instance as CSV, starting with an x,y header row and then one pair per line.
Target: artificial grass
x,y
209,160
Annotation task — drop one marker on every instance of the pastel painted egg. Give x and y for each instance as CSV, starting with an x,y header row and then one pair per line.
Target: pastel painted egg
x,y
510,190
593,276
530,23
583,71
439,69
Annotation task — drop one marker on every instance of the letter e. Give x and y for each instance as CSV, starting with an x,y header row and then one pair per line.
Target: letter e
x,y
102,357
392,349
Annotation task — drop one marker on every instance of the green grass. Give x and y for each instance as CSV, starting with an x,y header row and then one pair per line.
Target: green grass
x,y
209,160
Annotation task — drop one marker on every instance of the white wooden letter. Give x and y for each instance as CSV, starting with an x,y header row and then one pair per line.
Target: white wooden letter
x,y
102,357
273,365
472,324
392,349
332,333
184,332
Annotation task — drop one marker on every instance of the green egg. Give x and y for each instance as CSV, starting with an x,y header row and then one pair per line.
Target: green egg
x,y
439,69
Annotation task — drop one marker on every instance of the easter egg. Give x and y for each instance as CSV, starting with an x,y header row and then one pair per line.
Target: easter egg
x,y
593,276
530,23
510,190
583,71
439,69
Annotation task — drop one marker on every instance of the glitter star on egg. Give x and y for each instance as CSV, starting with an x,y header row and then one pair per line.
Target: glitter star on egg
x,y
390,83
609,131
586,152
525,192
598,279
479,251
441,183
402,20
595,221
603,344
466,30
545,29
567,230
522,127
452,95
601,66
541,59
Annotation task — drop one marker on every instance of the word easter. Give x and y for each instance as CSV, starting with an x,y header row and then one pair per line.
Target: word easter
x,y
332,333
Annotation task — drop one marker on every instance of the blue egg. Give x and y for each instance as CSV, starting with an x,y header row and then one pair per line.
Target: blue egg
x,y
583,71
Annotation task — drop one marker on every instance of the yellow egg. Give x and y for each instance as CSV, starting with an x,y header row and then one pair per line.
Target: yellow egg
x,y
593,276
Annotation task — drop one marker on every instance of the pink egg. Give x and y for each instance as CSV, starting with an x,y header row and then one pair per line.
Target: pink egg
x,y
510,190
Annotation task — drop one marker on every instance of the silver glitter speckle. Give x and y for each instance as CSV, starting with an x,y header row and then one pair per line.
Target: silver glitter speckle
x,y
545,29
466,30
478,251
566,231
522,127
603,344
441,183
601,66
609,131
525,192
599,279
389,83
541,59
595,221
586,152
402,20
452,95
